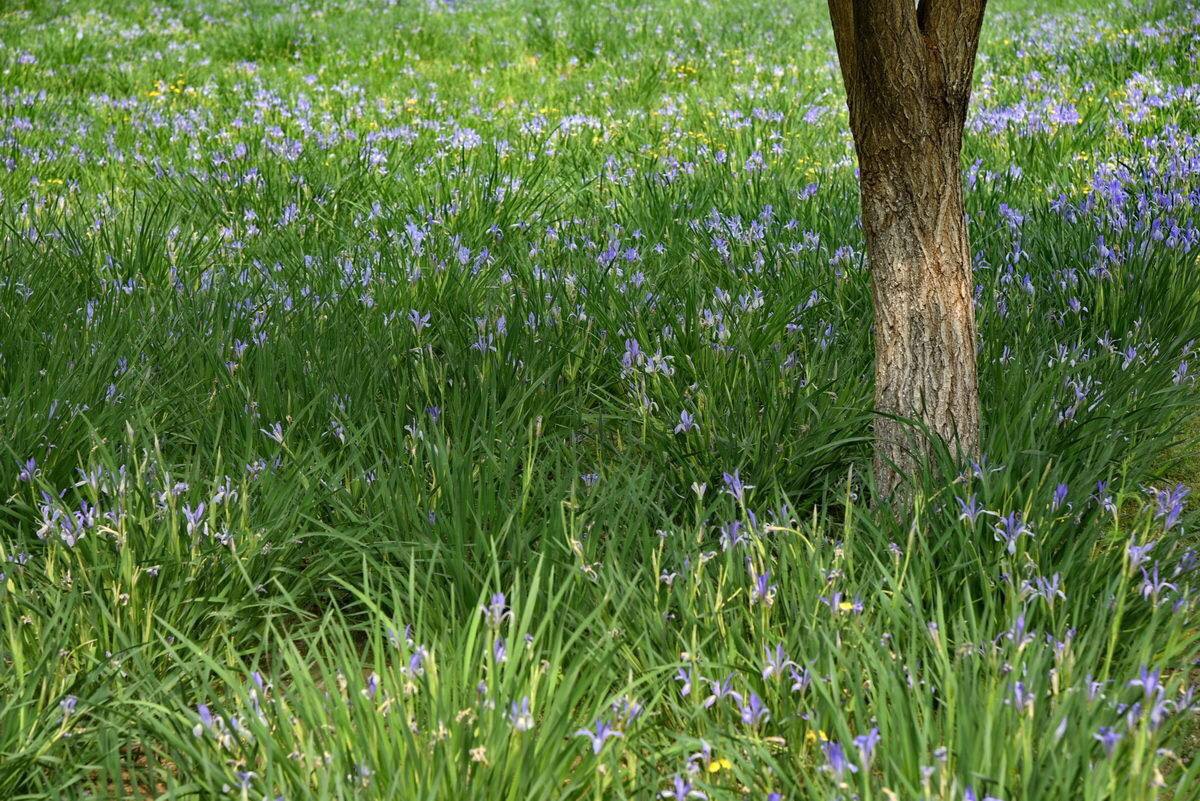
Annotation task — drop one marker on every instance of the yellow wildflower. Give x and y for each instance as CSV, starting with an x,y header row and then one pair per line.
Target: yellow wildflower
x,y
811,737
717,765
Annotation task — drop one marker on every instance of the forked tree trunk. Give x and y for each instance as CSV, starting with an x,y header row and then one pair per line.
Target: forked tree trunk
x,y
907,70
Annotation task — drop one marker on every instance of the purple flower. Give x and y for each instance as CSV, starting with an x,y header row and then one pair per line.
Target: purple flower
x,y
1108,738
1152,585
1148,680
395,638
1181,373
290,214
519,715
1009,528
1132,713
225,493
763,592
28,470
721,689
416,662
776,662
833,600
1102,497
500,651
735,487
970,509
418,320
1170,504
67,705
485,344
754,711
685,677
633,355
1138,553
1159,711
194,517
625,711
687,423
1060,495
660,364
703,756
731,535
275,432
969,795
206,720
496,612
800,679
866,745
70,530
1022,698
1019,633
836,761
600,735
681,790
1048,589
86,516
1187,697
1064,114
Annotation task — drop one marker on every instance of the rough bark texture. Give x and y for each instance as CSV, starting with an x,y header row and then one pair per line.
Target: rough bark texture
x,y
907,70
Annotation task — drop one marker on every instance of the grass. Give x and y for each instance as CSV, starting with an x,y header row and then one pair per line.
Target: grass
x,y
345,351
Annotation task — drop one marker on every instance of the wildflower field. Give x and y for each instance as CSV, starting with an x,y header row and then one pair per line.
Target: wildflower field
x,y
422,400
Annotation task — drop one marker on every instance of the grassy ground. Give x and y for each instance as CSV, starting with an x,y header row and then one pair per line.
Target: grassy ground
x,y
472,400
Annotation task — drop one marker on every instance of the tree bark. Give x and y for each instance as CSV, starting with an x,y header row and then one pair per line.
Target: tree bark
x,y
907,70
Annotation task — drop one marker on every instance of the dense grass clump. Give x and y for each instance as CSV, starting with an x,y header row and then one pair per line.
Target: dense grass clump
x,y
472,400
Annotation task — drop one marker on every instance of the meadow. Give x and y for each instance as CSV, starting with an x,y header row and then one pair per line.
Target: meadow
x,y
472,400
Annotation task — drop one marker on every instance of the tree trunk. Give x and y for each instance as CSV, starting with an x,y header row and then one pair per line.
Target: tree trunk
x,y
907,70
924,311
